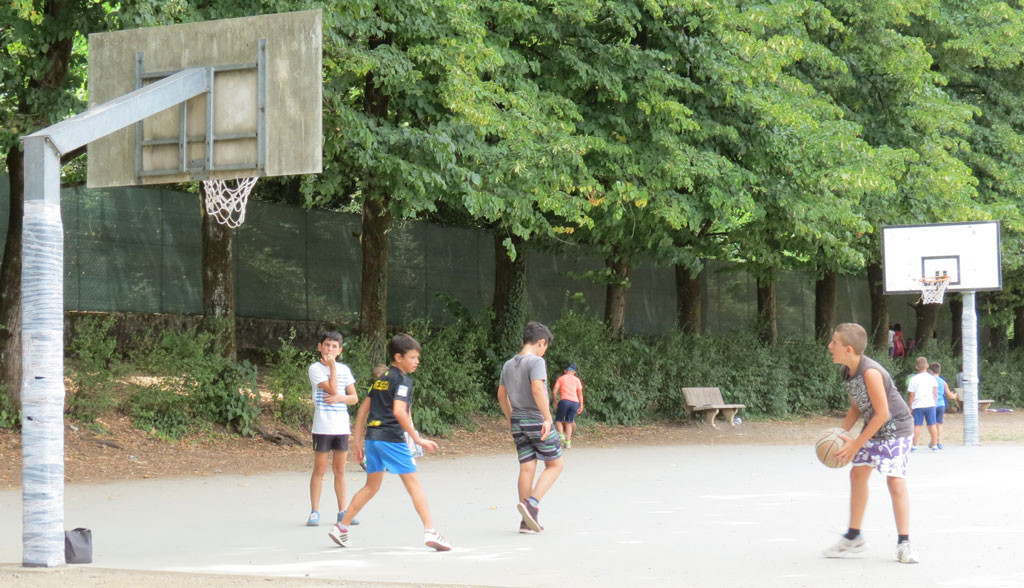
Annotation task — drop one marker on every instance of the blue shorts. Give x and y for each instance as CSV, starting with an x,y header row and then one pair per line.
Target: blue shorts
x,y
940,411
388,456
566,412
924,416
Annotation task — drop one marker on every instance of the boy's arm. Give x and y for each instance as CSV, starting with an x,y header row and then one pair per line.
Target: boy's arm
x,y
403,417
503,401
580,392
359,431
330,385
540,397
879,402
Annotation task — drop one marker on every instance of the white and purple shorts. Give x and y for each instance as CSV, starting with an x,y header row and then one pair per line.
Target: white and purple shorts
x,y
890,457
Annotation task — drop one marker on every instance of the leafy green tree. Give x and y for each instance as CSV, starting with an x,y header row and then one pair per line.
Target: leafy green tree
x,y
978,46
889,87
433,105
42,73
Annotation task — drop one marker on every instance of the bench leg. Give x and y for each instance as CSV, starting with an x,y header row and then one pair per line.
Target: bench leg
x,y
709,417
983,406
728,414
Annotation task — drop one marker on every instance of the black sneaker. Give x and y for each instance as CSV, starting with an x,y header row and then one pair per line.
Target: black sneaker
x,y
529,513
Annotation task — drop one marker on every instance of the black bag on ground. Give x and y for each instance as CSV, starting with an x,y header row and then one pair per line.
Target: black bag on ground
x,y
78,546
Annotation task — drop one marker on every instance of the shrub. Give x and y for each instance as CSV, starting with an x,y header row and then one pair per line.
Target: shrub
x,y
219,390
161,411
452,383
10,417
94,370
289,384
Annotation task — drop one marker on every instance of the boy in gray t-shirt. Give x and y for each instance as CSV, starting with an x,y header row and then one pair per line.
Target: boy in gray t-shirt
x,y
523,395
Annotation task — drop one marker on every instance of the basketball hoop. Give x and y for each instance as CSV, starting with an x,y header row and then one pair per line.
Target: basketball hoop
x,y
933,289
227,204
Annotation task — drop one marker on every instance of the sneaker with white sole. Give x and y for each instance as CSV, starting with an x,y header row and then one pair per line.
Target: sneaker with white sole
x,y
339,535
526,530
431,538
905,553
847,546
313,520
530,515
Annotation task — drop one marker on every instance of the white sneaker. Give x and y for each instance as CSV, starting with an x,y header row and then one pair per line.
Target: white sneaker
x,y
339,535
847,546
905,553
431,538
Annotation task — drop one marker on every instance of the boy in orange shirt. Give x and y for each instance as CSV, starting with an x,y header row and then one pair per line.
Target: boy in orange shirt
x,y
568,393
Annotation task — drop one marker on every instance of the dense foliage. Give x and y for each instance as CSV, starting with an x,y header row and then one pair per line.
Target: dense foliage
x,y
776,134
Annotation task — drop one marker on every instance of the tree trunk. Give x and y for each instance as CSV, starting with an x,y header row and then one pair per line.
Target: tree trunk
x,y
615,298
1018,327
825,306
688,308
10,282
767,321
510,299
373,303
956,309
219,282
926,314
373,295
879,328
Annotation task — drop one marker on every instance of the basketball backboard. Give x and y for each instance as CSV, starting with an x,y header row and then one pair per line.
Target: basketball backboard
x,y
264,108
966,252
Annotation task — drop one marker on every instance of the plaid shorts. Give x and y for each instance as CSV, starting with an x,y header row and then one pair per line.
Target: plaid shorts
x,y
529,445
890,457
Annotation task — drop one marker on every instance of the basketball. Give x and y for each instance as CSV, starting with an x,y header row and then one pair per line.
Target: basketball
x,y
829,442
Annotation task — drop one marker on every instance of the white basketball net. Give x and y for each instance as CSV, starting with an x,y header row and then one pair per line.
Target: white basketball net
x,y
933,290
227,204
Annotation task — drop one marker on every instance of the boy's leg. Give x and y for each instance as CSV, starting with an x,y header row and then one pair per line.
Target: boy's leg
x,y
419,498
917,432
338,465
859,476
316,481
362,496
900,503
527,472
552,469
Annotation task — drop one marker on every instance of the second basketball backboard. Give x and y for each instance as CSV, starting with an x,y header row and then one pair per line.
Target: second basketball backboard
x,y
262,116
968,253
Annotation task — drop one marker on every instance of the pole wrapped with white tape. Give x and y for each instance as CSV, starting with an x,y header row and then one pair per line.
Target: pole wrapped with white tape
x,y
42,340
969,324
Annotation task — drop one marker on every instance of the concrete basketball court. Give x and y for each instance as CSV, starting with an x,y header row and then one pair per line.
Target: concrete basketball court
x,y
628,516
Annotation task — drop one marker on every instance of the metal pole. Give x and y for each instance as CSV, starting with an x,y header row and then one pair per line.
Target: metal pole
x,y
970,357
42,358
42,304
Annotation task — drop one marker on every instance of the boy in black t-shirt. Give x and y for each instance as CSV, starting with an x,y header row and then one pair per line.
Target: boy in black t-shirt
x,y
388,408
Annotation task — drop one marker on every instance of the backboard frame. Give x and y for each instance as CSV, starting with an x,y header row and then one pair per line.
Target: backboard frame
x,y
968,252
262,115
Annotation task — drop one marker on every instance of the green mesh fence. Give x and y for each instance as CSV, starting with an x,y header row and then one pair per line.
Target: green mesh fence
x,y
139,250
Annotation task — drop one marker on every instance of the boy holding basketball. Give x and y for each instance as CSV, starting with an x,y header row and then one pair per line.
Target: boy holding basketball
x,y
523,396
385,417
883,444
333,389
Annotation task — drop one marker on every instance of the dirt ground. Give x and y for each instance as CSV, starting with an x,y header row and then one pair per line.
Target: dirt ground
x,y
126,453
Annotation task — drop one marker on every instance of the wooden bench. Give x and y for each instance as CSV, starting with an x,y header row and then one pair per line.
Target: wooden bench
x,y
982,404
709,401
